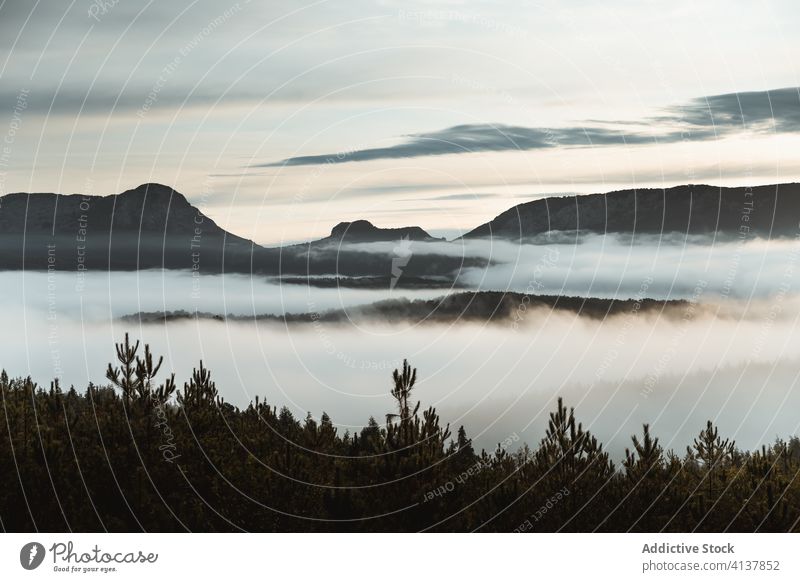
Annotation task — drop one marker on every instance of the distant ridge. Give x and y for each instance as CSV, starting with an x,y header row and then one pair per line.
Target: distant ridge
x,y
481,306
364,231
149,208
154,226
763,211
149,226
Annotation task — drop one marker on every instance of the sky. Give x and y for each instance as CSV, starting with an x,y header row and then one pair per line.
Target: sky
x,y
280,119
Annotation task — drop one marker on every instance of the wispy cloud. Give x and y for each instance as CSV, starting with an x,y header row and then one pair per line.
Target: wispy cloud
x,y
702,118
472,138
464,196
774,110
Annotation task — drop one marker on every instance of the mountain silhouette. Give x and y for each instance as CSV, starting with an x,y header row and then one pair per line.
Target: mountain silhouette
x,y
150,226
154,226
364,231
147,209
765,211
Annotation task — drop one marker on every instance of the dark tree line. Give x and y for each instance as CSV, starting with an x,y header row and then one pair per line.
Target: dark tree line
x,y
143,454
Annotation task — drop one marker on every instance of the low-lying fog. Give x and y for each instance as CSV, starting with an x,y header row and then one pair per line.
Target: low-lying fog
x,y
617,266
734,359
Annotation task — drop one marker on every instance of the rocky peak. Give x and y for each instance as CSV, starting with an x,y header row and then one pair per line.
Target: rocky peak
x,y
365,231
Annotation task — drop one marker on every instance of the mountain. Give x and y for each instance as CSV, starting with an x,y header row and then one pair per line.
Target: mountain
x,y
149,208
363,231
335,254
772,210
148,227
154,226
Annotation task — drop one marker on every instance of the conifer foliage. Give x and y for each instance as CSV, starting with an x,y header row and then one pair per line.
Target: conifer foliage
x,y
141,455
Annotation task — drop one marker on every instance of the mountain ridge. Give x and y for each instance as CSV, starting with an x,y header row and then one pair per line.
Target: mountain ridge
x,y
766,210
365,231
151,202
155,226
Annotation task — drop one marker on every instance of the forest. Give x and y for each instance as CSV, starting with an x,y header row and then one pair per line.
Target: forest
x,y
143,454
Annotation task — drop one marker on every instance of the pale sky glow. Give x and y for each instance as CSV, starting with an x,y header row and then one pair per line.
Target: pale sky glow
x,y
213,98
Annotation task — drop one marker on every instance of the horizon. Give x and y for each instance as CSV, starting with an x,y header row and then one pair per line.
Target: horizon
x,y
448,235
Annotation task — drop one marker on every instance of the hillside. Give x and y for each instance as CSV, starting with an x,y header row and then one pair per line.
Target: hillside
x,y
764,211
153,226
150,226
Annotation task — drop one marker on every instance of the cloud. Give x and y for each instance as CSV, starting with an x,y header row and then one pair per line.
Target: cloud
x,y
465,196
702,118
472,138
615,266
775,110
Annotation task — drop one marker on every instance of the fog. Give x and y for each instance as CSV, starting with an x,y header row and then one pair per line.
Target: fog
x,y
731,354
91,297
617,265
